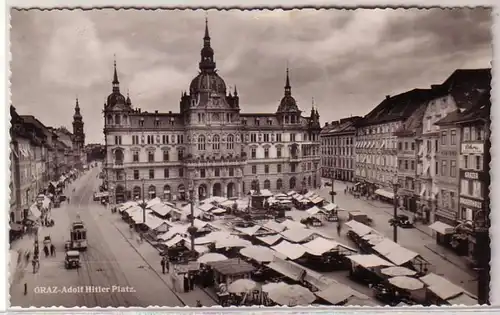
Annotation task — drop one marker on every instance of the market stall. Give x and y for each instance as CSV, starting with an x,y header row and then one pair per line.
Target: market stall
x,y
440,291
401,256
327,255
365,268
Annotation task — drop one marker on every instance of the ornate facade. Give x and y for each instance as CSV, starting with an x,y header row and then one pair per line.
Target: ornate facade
x,y
209,147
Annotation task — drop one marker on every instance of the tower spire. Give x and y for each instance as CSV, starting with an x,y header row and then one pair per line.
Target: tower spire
x,y
288,88
116,83
207,34
207,62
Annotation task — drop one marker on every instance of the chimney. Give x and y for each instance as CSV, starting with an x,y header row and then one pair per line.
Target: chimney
x,y
170,112
156,111
326,123
387,97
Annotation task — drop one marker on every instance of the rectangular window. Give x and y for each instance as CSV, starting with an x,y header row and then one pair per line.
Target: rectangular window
x,y
443,137
136,174
466,134
437,168
266,169
166,173
453,137
180,154
254,153
180,139
453,168
253,137
202,173
464,185
292,137
278,137
470,187
476,189
151,156
231,172
412,165
164,139
452,200
217,172
406,164
278,152
151,174
479,164
266,137
266,153
254,169
406,145
135,139
278,167
135,156
466,161
166,156
444,167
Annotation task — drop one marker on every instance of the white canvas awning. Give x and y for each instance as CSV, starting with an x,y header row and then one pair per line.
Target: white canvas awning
x,y
289,224
359,228
370,261
330,207
441,228
297,235
384,193
161,209
270,239
292,251
314,210
319,246
274,226
394,252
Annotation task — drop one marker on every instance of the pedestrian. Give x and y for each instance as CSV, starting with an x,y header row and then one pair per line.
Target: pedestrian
x,y
46,251
191,282
25,288
167,265
174,282
163,265
52,250
339,228
33,262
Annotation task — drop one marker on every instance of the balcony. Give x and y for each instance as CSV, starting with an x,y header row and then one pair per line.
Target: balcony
x,y
295,158
117,165
213,161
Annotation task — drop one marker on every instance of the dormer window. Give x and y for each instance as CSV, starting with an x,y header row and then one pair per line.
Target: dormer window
x,y
117,119
141,122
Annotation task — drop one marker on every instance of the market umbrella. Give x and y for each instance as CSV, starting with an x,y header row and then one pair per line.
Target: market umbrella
x,y
211,257
398,271
272,285
406,283
233,241
291,295
242,286
258,253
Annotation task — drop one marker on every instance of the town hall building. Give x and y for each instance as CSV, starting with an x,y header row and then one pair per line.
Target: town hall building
x,y
210,147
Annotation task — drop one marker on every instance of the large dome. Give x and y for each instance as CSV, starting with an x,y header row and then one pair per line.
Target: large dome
x,y
115,98
208,82
288,104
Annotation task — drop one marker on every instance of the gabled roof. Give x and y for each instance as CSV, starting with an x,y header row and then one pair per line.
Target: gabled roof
x,y
466,86
478,110
398,107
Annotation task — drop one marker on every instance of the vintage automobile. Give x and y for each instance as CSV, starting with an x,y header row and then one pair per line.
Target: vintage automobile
x,y
72,259
360,217
404,221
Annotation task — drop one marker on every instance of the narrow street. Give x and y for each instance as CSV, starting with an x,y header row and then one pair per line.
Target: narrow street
x,y
413,239
109,264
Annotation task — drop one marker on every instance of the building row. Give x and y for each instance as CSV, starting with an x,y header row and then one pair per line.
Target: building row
x,y
429,144
39,156
209,147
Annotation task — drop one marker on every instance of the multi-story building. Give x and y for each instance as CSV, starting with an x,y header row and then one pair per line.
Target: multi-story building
x,y
28,154
439,142
408,163
66,161
376,142
337,149
209,147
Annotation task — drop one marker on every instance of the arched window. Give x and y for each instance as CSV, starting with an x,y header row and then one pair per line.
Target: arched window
x,y
137,192
292,183
216,143
117,119
267,184
201,143
255,184
110,120
279,184
166,192
309,181
152,192
230,142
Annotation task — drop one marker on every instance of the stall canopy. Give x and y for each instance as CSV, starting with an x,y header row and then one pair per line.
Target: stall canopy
x,y
173,231
161,209
291,295
398,271
274,226
394,252
297,235
373,239
206,207
289,224
336,293
270,239
442,228
259,253
330,207
314,210
153,202
359,228
320,245
232,266
369,261
232,241
384,193
316,199
292,251
446,290
211,257
272,285
406,283
250,231
174,241
288,269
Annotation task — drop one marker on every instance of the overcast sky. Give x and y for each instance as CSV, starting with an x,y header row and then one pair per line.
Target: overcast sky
x,y
347,60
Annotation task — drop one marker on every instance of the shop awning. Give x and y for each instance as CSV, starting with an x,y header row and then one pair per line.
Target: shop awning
x,y
441,228
297,235
384,193
359,228
370,261
394,252
442,287
292,251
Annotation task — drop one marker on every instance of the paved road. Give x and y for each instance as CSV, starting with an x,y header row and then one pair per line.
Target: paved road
x,y
412,239
110,264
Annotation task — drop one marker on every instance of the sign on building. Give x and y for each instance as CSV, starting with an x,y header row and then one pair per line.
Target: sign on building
x,y
472,148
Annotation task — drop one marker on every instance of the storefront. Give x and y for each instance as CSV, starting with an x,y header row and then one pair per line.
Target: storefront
x,y
469,207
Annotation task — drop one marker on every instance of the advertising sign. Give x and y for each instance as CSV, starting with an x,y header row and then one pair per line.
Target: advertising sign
x,y
472,148
471,203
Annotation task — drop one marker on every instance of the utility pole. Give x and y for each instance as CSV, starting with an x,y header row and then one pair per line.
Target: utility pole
x,y
192,229
143,205
332,193
395,186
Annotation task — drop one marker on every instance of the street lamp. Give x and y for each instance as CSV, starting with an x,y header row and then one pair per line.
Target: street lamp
x,y
332,193
143,205
192,229
395,186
